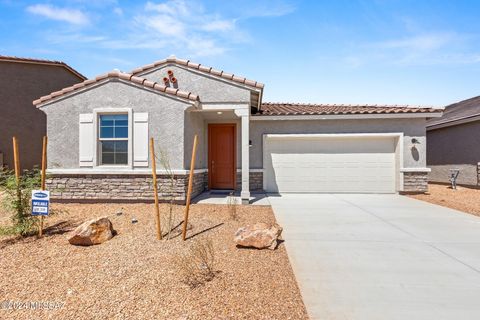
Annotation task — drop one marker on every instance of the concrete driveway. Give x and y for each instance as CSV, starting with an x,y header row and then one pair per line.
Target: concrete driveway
x,y
381,256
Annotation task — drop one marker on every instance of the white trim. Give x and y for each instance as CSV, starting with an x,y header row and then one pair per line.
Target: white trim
x,y
352,116
397,135
119,170
222,106
100,111
332,135
415,169
123,170
453,122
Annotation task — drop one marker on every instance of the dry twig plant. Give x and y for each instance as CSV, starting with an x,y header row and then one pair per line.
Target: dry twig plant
x,y
197,264
232,206
168,220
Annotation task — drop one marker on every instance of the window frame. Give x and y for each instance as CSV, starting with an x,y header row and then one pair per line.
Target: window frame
x,y
98,149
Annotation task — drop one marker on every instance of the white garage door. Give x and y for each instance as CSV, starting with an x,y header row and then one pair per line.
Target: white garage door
x,y
329,163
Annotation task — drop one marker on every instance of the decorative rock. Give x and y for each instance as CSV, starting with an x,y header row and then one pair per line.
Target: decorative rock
x,y
92,232
260,236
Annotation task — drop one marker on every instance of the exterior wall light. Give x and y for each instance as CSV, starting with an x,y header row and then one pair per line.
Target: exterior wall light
x,y
415,142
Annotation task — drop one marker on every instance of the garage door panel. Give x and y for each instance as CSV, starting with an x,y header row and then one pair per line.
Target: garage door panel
x,y
330,165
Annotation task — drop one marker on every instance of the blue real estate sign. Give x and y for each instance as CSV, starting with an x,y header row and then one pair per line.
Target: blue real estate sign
x,y
40,202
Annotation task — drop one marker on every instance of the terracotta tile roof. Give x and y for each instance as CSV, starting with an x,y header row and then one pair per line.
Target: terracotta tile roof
x,y
202,68
123,76
42,61
284,109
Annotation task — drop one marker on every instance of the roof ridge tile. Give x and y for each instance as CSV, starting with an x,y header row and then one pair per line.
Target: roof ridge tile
x,y
200,67
123,76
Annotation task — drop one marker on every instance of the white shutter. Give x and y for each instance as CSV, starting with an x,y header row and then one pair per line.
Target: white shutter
x,y
140,139
86,140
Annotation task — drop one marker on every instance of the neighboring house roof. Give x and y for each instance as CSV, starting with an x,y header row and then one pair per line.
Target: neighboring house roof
x,y
457,113
43,62
196,66
288,109
123,76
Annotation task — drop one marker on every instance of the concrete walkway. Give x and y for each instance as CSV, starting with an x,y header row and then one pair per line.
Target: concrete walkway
x,y
381,257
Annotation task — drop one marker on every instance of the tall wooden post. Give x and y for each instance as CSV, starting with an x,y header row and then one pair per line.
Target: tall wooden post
x,y
189,191
16,159
155,189
44,169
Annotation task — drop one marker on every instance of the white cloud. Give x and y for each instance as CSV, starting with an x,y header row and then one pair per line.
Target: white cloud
x,y
182,26
219,25
434,48
118,11
72,16
423,42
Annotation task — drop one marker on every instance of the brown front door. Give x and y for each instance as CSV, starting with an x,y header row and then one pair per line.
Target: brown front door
x,y
221,156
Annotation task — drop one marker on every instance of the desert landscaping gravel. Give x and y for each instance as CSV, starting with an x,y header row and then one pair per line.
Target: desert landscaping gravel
x,y
132,276
463,198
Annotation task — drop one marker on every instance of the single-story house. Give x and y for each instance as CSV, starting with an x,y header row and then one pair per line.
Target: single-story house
x,y
99,134
453,143
23,80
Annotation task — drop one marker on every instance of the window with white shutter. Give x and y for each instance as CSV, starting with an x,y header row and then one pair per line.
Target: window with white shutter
x,y
86,140
140,139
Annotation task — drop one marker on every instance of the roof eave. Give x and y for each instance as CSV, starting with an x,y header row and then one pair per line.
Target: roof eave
x,y
122,77
251,84
347,116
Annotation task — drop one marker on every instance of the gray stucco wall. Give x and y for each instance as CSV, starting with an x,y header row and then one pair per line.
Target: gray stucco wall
x,y
20,84
194,125
166,120
208,88
412,128
454,147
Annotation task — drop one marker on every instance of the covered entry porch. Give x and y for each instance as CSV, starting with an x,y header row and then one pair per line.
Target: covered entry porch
x,y
224,147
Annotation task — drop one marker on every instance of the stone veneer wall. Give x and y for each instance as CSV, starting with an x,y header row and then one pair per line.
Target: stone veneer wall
x,y
478,174
122,187
256,181
415,182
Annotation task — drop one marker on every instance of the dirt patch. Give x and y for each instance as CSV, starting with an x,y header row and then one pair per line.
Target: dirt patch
x,y
463,199
133,276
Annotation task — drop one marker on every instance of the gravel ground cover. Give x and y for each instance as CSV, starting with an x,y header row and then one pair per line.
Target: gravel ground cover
x,y
133,276
463,199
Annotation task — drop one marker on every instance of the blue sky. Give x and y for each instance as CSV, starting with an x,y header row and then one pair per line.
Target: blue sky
x,y
337,51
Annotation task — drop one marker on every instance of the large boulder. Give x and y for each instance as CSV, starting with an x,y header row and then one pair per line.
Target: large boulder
x,y
260,235
92,232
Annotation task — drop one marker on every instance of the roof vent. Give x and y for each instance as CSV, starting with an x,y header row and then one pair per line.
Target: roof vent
x,y
174,82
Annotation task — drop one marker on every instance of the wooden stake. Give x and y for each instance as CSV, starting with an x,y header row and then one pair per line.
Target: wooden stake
x,y
189,191
44,169
16,159
155,189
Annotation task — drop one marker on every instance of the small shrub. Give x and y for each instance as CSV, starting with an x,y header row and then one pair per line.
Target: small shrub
x,y
169,223
197,264
17,198
232,207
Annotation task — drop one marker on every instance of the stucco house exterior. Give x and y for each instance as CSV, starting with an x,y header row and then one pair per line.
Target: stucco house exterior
x,y
22,81
453,143
99,131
